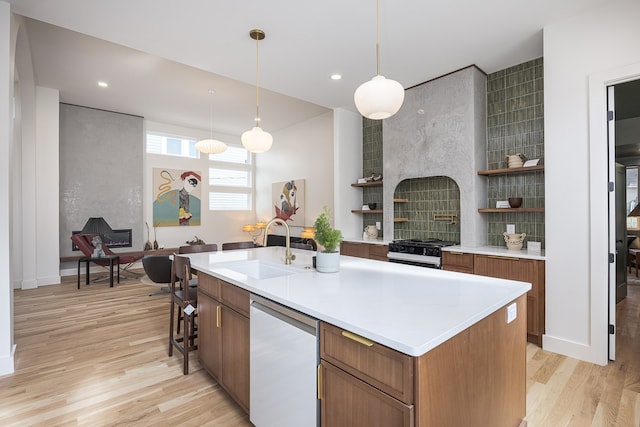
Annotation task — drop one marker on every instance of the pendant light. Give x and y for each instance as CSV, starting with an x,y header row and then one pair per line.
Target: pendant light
x,y
211,146
379,98
256,140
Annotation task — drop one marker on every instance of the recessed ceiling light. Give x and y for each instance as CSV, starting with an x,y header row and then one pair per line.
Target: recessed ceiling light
x,y
336,76
103,84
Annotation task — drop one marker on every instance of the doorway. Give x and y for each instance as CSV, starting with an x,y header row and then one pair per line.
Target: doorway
x,y
624,135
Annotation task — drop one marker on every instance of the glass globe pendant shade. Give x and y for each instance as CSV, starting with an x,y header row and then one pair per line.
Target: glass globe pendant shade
x,y
256,140
211,146
379,98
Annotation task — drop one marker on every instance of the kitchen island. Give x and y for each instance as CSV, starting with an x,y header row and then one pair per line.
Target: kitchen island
x,y
431,347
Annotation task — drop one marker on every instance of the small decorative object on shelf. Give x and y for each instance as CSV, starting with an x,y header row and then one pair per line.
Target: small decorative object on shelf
x,y
515,202
372,206
514,240
502,204
515,160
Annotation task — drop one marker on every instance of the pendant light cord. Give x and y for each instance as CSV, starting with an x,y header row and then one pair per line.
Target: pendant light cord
x,y
257,72
378,37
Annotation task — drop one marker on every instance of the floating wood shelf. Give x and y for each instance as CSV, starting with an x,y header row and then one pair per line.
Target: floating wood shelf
x,y
400,200
511,170
400,219
367,184
493,210
363,211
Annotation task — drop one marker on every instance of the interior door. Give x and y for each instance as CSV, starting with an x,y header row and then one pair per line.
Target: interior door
x,y
621,232
612,219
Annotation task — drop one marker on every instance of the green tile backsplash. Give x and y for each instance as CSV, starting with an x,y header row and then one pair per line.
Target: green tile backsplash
x,y
515,124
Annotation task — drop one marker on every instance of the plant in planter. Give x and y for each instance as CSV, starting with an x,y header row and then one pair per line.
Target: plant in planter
x,y
328,260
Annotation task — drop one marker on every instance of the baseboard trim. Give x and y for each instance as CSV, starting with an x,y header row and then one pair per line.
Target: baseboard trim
x,y
7,365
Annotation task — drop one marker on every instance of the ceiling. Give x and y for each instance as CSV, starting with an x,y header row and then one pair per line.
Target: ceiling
x,y
160,57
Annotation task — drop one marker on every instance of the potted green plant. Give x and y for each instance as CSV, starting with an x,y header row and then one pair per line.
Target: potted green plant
x,y
327,260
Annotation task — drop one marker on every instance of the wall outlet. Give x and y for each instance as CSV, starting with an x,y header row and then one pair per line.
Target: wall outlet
x,y
511,228
378,225
512,312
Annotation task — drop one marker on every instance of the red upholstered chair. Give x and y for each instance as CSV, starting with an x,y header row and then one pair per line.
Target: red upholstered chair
x,y
84,243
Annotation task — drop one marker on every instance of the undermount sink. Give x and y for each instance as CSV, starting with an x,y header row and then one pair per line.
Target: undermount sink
x,y
258,270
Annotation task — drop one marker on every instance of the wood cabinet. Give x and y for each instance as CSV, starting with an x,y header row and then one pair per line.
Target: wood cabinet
x,y
223,335
457,261
506,267
365,250
524,270
477,377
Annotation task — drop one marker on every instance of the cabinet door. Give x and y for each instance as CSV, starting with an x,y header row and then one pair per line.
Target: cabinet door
x,y
525,270
347,401
235,355
208,334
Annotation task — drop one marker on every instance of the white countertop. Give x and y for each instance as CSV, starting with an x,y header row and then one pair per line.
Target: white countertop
x,y
496,251
410,309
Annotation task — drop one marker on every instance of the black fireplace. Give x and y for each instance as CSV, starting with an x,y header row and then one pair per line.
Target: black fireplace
x,y
112,238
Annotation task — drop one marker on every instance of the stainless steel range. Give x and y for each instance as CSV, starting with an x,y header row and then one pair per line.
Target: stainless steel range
x,y
424,253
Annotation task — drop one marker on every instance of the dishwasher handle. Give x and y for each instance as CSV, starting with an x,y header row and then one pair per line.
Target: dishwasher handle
x,y
285,314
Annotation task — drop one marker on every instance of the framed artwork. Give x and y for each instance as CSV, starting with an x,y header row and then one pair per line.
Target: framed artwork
x,y
177,198
288,201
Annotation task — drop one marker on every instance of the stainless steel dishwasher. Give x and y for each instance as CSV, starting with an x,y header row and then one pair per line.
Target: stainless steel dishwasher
x,y
283,366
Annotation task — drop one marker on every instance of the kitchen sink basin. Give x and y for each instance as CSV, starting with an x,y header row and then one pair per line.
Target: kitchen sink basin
x,y
258,270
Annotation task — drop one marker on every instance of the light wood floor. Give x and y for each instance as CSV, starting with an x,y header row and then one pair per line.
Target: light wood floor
x,y
98,357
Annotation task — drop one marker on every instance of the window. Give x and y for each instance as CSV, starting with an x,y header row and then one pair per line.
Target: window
x,y
231,180
171,146
230,173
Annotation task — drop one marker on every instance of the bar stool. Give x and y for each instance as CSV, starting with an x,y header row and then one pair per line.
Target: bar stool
x,y
184,298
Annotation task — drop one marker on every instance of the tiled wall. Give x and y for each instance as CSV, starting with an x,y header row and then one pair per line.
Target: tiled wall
x,y
515,124
426,197
372,164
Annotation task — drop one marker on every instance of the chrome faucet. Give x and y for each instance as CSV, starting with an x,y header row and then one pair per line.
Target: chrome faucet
x,y
288,256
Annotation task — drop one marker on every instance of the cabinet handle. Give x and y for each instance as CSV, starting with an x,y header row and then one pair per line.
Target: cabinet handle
x,y
319,382
357,338
455,253
502,257
218,315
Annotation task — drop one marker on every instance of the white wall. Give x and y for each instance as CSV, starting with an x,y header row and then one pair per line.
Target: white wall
x,y
47,187
216,227
347,160
8,31
303,151
604,38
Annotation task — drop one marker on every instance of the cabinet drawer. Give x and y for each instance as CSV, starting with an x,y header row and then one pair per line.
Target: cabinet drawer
x,y
234,297
378,252
348,401
457,261
382,367
209,285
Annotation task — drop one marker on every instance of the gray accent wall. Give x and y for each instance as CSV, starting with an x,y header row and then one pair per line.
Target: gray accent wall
x,y
440,131
101,158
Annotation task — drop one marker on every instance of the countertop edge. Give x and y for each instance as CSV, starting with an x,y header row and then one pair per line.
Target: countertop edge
x,y
496,251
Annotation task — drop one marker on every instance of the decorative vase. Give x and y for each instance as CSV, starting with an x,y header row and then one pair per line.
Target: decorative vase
x,y
327,262
514,240
371,232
